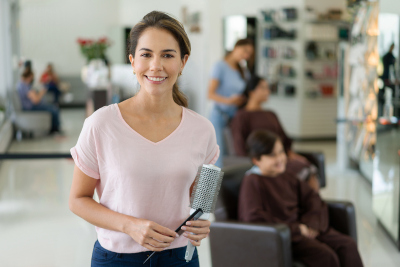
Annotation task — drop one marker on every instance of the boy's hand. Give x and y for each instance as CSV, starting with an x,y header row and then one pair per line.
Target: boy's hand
x,y
308,232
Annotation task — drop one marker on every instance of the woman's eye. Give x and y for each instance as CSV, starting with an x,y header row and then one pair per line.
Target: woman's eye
x,y
168,56
145,55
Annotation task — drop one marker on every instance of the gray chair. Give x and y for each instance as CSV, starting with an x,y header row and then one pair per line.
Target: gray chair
x,y
36,123
238,244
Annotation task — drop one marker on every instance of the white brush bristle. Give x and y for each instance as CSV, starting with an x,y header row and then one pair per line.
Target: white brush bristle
x,y
206,188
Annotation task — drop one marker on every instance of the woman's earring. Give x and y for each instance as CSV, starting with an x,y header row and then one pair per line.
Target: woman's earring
x,y
180,73
134,73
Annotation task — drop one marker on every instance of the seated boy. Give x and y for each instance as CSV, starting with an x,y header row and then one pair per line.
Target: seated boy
x,y
277,196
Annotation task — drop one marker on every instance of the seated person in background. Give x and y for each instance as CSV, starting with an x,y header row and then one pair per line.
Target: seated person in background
x,y
276,196
33,100
252,117
50,81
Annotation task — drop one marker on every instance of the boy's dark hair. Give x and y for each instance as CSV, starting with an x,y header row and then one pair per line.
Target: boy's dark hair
x,y
260,143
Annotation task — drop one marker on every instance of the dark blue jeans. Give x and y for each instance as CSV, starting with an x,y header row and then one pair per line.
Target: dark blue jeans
x,y
167,258
55,114
52,88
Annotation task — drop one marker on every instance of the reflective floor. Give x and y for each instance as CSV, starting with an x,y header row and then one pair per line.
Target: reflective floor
x,y
38,230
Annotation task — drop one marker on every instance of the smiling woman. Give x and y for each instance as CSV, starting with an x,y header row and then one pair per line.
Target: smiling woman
x,y
170,32
142,156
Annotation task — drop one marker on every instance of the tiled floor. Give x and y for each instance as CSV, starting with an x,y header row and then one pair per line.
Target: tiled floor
x,y
38,230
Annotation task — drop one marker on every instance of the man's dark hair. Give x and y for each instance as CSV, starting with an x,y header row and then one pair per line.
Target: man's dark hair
x,y
260,143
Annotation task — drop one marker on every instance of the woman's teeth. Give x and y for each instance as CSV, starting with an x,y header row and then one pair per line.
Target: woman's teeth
x,y
156,79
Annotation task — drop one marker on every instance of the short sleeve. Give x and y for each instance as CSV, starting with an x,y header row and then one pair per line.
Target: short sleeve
x,y
212,147
85,151
217,71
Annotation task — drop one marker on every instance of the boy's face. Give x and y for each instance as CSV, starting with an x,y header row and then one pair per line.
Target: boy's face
x,y
274,163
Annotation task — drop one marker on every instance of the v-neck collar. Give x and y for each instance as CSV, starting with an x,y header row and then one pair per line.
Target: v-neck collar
x,y
141,136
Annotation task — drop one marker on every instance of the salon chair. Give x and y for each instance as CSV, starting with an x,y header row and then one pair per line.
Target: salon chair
x,y
238,244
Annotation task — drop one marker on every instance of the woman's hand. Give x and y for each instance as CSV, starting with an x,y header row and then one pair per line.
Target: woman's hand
x,y
150,235
308,232
236,100
196,231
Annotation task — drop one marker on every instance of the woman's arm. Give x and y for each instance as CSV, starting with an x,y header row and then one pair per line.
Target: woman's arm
x,y
313,211
236,100
36,97
147,233
54,78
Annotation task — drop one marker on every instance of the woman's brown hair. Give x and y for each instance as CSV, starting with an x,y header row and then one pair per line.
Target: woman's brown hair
x,y
250,62
160,20
27,73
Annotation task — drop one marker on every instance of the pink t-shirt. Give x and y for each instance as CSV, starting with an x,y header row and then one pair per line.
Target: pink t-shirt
x,y
140,178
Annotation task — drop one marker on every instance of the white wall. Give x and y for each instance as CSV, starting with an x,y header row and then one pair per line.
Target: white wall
x,y
6,65
49,30
323,6
131,11
389,6
193,81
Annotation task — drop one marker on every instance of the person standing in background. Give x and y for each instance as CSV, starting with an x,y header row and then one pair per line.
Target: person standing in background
x,y
228,81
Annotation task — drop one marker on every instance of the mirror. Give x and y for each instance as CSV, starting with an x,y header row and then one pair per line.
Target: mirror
x,y
385,184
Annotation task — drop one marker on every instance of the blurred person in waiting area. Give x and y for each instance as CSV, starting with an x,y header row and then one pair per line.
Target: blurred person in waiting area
x,y
228,81
50,81
253,117
277,196
32,100
388,61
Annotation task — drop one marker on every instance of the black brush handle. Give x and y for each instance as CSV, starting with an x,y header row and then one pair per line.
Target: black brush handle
x,y
195,216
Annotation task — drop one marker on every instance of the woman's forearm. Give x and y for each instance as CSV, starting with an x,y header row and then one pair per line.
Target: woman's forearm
x,y
95,213
218,98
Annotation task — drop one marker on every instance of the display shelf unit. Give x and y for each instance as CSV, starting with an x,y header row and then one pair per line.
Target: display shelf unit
x,y
306,106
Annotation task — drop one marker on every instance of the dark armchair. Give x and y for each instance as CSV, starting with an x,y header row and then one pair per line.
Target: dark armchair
x,y
245,244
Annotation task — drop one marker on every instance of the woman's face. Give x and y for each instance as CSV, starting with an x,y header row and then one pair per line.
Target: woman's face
x,y
261,92
157,61
243,52
274,163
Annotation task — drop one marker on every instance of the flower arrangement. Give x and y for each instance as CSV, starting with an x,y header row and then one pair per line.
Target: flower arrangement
x,y
94,49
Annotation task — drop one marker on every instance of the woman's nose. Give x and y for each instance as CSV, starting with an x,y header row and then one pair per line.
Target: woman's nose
x,y
156,64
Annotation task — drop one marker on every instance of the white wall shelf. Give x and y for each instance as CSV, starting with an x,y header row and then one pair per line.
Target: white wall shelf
x,y
311,111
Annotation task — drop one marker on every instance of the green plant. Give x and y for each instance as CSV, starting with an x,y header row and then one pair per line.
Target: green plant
x,y
94,49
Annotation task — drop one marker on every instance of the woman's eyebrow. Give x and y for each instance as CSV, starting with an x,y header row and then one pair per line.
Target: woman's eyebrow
x,y
169,50
164,51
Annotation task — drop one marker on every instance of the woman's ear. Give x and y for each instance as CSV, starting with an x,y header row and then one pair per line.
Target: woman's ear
x,y
132,60
184,60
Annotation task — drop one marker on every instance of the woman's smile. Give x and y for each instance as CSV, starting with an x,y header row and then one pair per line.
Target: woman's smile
x,y
155,79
